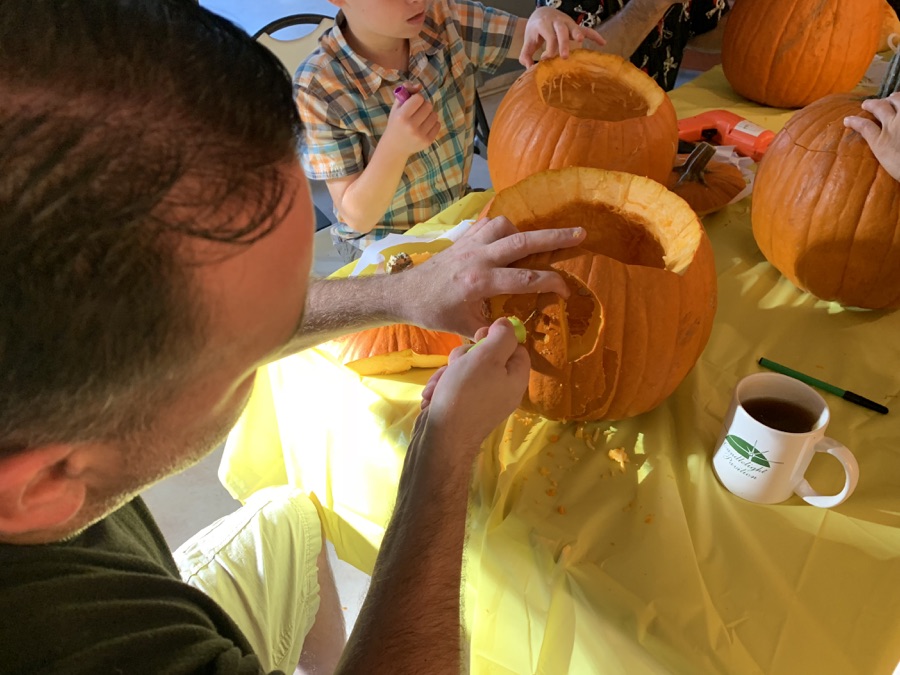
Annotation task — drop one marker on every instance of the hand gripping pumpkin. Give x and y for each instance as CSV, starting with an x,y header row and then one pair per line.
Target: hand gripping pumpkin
x,y
643,293
825,213
787,54
590,109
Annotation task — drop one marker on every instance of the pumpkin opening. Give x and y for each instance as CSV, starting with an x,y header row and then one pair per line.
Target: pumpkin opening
x,y
596,89
577,95
622,236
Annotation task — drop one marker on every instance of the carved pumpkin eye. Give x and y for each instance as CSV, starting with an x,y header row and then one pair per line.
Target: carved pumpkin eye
x,y
642,293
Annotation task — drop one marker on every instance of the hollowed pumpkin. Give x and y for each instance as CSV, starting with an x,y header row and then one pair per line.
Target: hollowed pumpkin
x,y
643,293
789,54
590,109
392,349
705,184
825,213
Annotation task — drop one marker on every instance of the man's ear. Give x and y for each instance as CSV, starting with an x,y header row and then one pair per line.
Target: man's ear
x,y
338,3
38,492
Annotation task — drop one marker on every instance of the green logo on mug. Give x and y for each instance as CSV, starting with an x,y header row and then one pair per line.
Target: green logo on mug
x,y
747,450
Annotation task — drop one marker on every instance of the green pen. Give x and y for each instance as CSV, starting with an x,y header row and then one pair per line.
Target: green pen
x,y
830,388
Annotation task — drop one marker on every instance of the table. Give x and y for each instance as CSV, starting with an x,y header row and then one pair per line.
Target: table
x,y
574,566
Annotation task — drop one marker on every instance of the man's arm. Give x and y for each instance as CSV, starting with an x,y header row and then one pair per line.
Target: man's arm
x,y
445,292
626,30
410,621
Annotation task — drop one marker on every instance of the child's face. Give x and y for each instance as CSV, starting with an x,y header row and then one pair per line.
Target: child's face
x,y
386,18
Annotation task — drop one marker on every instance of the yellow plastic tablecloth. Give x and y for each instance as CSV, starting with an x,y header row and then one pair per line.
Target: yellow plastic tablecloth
x,y
574,566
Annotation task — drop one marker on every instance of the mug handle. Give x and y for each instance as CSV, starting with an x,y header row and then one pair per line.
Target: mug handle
x,y
851,469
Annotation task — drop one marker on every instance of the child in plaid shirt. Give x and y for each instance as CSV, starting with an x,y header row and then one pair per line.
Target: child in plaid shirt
x,y
389,167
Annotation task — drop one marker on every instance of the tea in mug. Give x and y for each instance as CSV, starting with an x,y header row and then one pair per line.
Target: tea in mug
x,y
776,413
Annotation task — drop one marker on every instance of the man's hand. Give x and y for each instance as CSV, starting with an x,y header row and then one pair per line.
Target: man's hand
x,y
884,137
555,31
412,126
466,399
447,292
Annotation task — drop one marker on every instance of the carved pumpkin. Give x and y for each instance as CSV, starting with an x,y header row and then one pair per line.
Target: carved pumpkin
x,y
788,54
706,185
590,109
825,213
392,349
643,293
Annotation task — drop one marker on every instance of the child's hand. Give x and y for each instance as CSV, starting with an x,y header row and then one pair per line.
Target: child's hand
x,y
468,398
412,125
555,30
884,139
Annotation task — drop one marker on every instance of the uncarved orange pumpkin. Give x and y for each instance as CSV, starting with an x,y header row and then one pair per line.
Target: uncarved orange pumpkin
x,y
590,109
705,184
788,54
388,350
824,211
643,293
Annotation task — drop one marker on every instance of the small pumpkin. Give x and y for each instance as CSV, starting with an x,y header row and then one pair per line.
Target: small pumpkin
x,y
788,54
590,109
388,350
642,293
825,213
706,185
889,26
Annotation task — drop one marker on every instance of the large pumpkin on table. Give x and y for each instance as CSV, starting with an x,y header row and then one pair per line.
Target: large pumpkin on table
x,y
788,53
824,211
643,293
590,109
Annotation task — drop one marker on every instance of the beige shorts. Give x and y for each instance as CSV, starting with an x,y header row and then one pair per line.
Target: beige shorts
x,y
259,564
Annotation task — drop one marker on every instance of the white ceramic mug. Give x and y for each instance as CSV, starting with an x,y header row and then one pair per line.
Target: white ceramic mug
x,y
762,463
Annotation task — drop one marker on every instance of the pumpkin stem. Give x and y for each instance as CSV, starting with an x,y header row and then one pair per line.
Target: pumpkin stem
x,y
891,81
695,165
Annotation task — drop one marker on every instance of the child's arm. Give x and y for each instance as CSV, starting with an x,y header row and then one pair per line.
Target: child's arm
x,y
551,28
884,137
362,199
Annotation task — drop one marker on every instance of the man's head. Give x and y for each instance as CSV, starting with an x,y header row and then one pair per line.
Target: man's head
x,y
154,246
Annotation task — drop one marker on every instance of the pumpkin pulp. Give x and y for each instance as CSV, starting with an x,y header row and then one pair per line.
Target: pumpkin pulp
x,y
578,94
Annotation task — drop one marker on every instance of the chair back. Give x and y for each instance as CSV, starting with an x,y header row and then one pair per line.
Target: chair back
x,y
292,51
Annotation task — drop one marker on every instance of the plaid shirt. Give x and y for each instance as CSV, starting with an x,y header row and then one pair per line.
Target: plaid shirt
x,y
344,101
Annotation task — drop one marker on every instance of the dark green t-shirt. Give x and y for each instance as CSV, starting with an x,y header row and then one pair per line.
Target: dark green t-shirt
x,y
111,601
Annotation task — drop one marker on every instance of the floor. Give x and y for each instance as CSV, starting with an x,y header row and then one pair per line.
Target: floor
x,y
186,503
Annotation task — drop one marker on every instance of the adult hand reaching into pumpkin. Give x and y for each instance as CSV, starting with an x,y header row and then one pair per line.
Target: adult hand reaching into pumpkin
x,y
884,136
447,292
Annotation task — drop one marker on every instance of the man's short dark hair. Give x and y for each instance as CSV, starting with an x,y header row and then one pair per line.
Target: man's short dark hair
x,y
125,125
